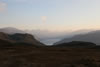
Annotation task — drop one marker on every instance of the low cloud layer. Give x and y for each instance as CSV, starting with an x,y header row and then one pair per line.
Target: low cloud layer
x,y
50,37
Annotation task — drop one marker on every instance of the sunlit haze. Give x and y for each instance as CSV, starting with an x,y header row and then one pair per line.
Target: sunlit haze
x,y
54,15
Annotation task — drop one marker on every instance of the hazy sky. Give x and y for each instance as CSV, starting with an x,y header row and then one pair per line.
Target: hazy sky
x,y
50,14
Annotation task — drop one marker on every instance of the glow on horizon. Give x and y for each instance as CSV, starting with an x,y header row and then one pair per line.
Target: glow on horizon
x,y
53,15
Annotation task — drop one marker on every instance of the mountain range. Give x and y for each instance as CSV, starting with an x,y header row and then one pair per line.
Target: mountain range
x,y
22,50
45,36
61,37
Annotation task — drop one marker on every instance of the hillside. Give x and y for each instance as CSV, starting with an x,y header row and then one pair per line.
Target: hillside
x,y
19,38
93,37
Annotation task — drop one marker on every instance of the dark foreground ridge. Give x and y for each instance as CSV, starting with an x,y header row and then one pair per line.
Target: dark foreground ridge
x,y
76,44
19,50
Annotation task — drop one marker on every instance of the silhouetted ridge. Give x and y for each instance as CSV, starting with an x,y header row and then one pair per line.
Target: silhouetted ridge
x,y
78,44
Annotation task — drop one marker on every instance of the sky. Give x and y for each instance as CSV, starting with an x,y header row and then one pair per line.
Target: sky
x,y
54,15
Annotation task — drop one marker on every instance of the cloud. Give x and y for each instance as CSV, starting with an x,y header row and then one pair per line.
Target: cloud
x,y
44,18
3,6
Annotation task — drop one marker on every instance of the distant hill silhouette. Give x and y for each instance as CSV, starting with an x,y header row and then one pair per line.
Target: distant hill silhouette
x,y
19,39
11,30
77,44
93,37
